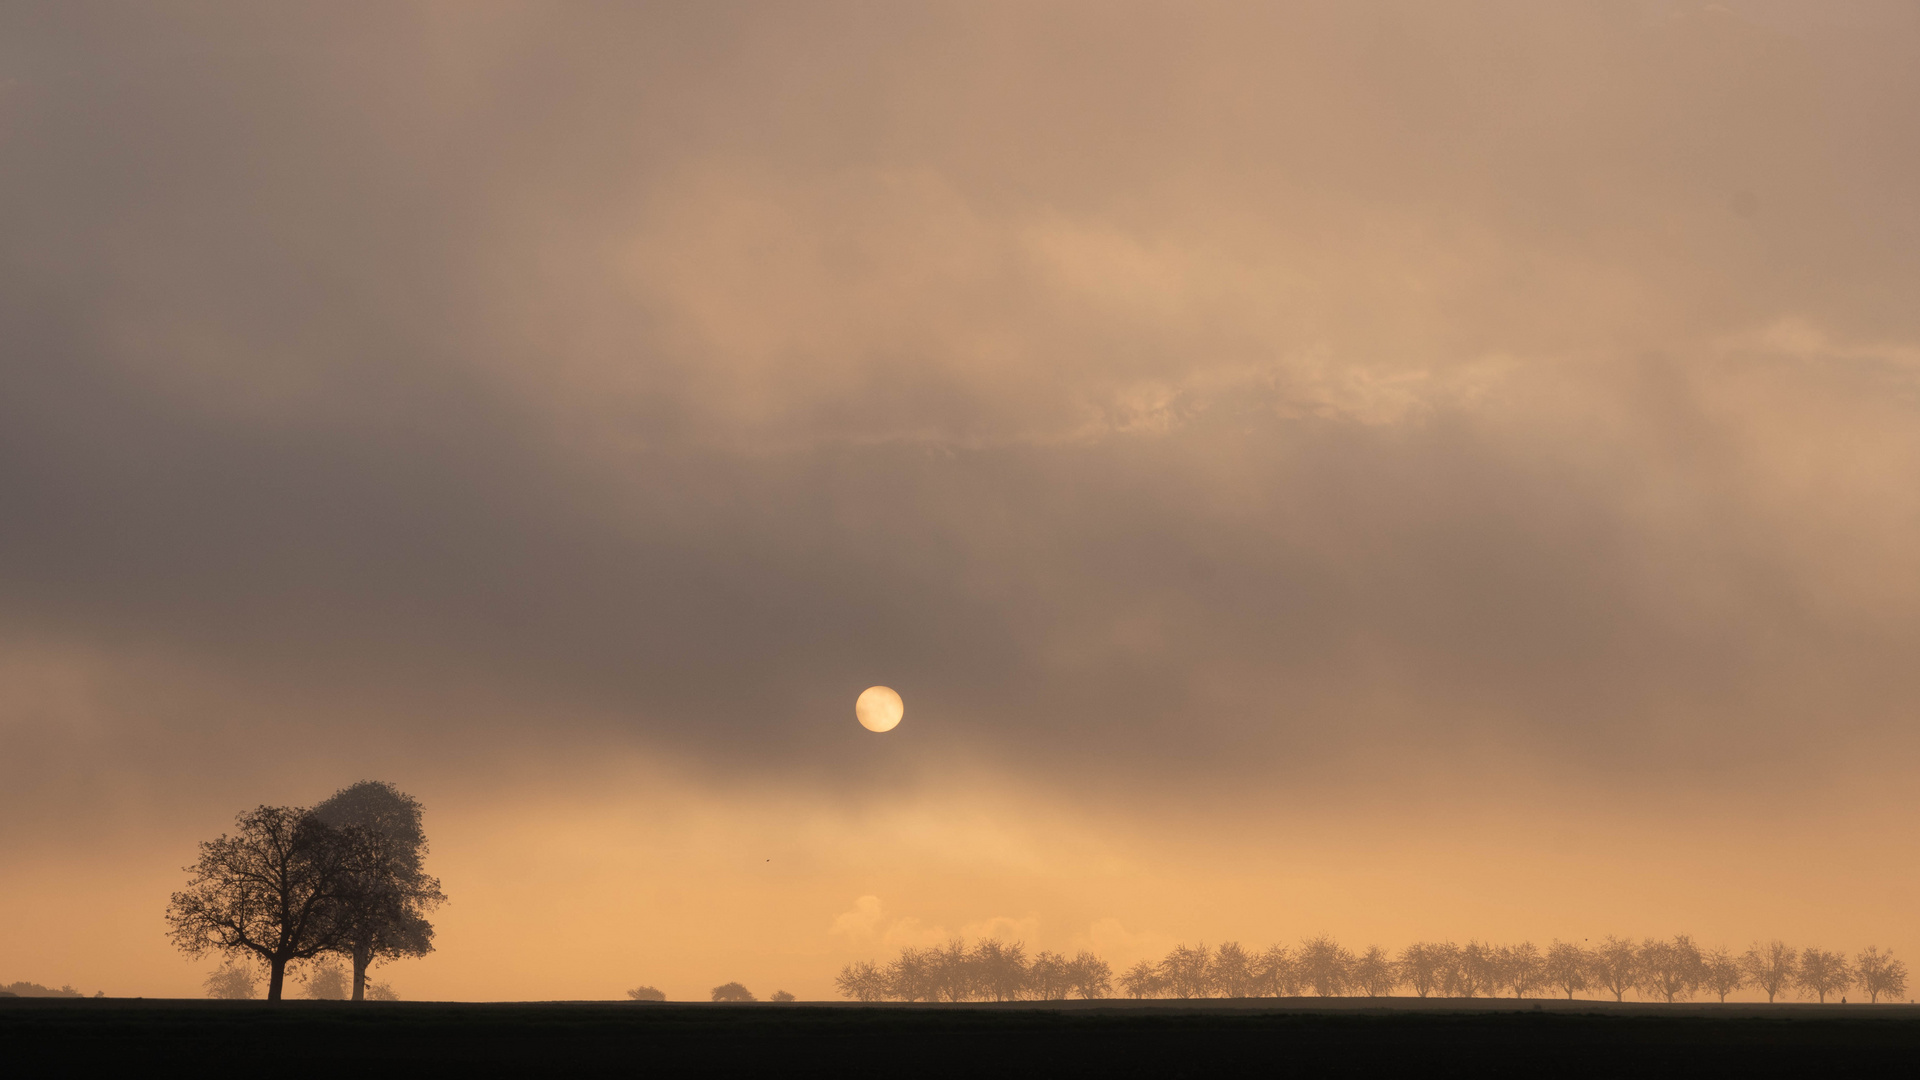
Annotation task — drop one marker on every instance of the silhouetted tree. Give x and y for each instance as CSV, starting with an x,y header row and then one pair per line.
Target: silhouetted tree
x,y
1822,973
268,891
1143,980
1275,974
1880,974
733,992
1566,967
952,971
1422,967
1478,969
1048,977
1089,975
1375,974
1770,967
862,981
915,975
781,996
649,993
1184,972
387,893
1670,970
1721,973
234,980
1232,974
1002,969
1325,967
1616,966
1454,981
1519,968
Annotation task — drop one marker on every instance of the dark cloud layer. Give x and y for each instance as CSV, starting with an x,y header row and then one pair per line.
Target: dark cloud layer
x,y
1142,391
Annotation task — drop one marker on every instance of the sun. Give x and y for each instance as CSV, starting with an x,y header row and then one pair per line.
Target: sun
x,y
879,708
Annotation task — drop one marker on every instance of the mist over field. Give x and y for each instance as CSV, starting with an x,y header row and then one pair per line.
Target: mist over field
x,y
1385,470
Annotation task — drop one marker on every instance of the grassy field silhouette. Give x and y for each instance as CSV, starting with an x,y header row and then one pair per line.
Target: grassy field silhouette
x,y
1095,1038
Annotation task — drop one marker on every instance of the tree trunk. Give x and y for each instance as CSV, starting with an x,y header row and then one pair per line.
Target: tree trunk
x,y
277,977
362,956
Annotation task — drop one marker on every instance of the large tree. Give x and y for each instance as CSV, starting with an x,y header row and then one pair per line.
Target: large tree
x,y
386,893
271,890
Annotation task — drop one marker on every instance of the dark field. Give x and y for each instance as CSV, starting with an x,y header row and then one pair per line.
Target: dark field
x,y
1356,1037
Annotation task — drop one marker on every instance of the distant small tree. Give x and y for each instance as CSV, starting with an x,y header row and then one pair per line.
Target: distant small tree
x,y
381,992
327,982
781,996
1823,973
269,891
1453,970
1089,975
1478,969
1770,967
1231,973
1184,973
1001,969
914,975
1616,966
234,980
1721,973
649,993
1143,980
733,992
1880,975
1420,967
1375,974
1048,977
1521,968
1326,967
860,981
1275,974
951,971
33,989
1671,970
1566,969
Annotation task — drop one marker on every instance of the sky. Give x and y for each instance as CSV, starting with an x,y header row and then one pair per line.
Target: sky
x,y
1392,470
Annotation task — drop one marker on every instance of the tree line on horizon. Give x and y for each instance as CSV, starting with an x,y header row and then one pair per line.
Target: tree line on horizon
x,y
990,970
1669,970
296,885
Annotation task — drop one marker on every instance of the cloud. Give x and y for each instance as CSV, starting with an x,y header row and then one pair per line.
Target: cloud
x,y
1203,401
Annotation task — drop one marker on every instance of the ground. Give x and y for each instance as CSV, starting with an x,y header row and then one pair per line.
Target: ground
x,y
1214,1038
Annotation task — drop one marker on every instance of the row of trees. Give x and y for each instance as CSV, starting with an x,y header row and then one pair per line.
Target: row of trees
x,y
989,970
1670,970
345,878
